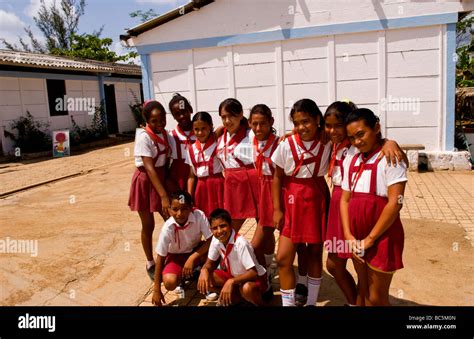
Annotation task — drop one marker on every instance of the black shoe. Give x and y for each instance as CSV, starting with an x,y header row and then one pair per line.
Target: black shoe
x,y
301,295
151,272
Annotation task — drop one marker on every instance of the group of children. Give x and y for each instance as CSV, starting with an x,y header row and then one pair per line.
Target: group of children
x,y
205,183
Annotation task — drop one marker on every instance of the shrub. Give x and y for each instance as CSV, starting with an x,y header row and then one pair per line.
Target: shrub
x,y
31,135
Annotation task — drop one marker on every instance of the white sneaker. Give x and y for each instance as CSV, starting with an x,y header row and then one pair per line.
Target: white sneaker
x,y
179,291
211,296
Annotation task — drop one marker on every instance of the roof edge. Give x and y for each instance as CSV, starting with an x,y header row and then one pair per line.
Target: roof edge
x,y
167,17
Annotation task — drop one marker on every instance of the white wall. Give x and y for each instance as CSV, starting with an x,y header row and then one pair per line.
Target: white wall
x,y
229,17
18,95
124,95
367,68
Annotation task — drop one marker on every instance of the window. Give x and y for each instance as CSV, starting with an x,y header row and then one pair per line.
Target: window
x,y
57,97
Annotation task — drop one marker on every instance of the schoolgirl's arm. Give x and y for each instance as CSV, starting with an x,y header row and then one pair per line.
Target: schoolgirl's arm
x,y
393,153
192,183
276,196
157,184
344,211
389,213
158,299
219,131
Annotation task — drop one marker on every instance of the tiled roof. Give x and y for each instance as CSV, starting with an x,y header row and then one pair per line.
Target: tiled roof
x,y
36,60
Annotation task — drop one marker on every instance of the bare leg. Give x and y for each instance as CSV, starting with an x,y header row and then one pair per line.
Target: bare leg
x,y
285,257
148,225
379,285
337,267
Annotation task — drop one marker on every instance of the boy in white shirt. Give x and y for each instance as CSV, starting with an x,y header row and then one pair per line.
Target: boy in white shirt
x,y
179,247
239,266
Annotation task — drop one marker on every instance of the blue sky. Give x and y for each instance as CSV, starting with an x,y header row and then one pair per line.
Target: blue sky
x,y
113,14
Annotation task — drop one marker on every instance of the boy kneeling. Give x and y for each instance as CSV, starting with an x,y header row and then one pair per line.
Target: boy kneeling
x,y
240,275
179,247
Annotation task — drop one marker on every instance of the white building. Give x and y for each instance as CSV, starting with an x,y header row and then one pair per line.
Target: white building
x,y
33,82
394,57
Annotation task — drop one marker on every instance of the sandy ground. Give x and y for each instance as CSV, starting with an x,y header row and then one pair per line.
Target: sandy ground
x,y
89,250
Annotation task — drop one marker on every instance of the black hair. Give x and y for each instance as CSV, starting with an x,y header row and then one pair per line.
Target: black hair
x,y
310,107
149,106
182,101
234,107
263,110
220,213
203,116
180,195
365,114
340,109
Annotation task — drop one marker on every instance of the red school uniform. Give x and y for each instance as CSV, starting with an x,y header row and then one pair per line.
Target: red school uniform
x,y
241,188
306,194
265,169
143,196
209,193
368,179
334,232
180,142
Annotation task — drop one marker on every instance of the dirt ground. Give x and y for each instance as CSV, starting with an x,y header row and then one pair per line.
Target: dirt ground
x,y
89,250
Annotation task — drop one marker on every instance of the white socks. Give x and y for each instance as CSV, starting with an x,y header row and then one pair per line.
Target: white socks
x,y
302,279
288,297
149,263
313,290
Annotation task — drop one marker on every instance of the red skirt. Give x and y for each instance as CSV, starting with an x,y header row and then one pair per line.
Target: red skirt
x,y
265,206
334,237
209,193
180,173
241,192
364,211
143,196
306,203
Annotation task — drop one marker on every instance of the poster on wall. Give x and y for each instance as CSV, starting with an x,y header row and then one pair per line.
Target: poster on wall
x,y
61,143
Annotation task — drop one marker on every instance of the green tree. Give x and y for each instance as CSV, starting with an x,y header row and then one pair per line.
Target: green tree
x,y
58,24
144,15
465,51
90,46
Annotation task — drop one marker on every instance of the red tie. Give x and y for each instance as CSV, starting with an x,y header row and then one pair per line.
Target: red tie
x,y
156,139
335,149
300,160
188,137
260,153
177,229
228,249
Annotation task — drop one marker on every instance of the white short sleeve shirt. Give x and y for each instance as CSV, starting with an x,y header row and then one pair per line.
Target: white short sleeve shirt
x,y
283,158
177,239
144,147
386,175
241,258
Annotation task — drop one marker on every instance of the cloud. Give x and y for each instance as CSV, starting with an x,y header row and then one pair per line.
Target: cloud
x,y
35,5
11,26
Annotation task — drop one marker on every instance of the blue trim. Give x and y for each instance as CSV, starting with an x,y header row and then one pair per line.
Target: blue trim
x,y
450,86
16,74
293,33
146,76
